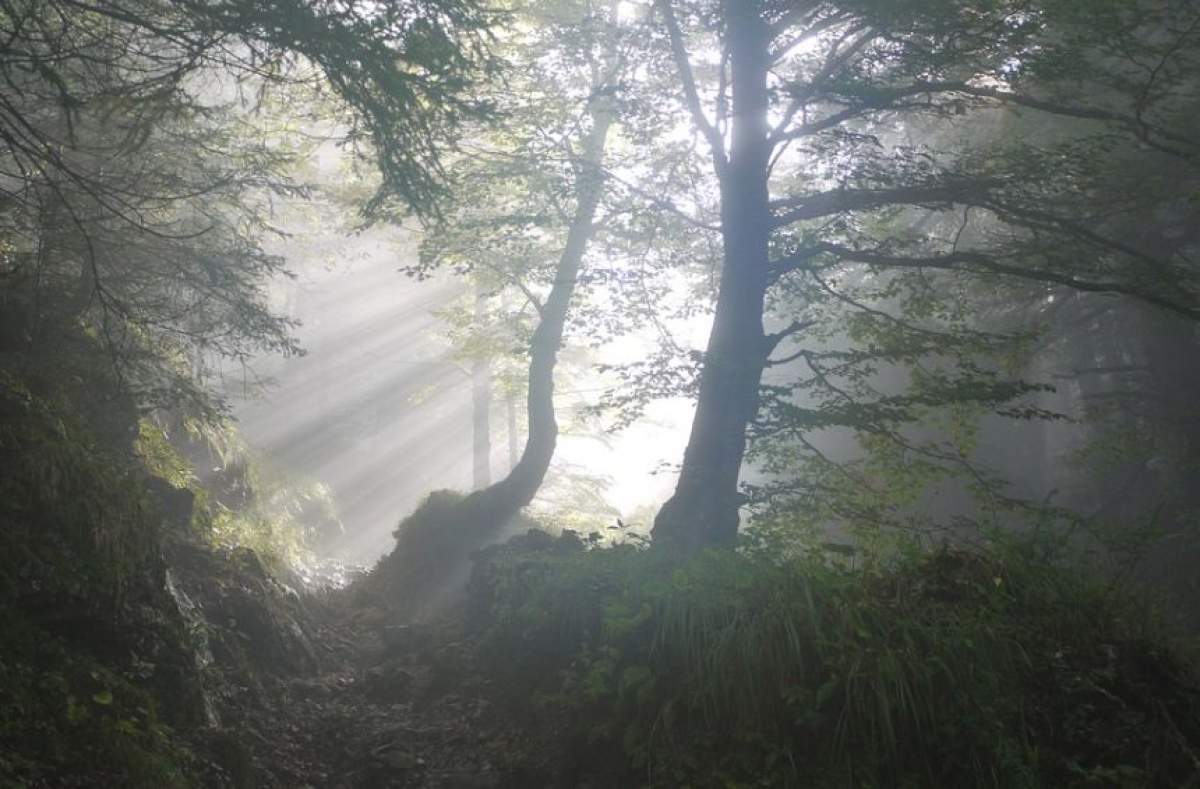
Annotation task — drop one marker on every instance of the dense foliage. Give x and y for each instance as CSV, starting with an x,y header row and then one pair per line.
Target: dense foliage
x,y
143,146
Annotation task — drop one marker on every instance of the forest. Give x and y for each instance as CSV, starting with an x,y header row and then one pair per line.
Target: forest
x,y
599,394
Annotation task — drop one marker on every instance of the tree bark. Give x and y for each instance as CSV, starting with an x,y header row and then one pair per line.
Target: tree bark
x,y
434,544
704,507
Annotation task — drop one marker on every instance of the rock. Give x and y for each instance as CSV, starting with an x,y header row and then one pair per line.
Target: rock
x,y
275,638
255,623
176,504
371,616
395,757
230,750
406,639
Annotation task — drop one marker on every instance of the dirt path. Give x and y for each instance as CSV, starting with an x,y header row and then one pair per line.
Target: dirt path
x,y
324,691
407,714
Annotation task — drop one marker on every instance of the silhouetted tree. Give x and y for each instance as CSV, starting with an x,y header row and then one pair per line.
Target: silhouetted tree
x,y
808,101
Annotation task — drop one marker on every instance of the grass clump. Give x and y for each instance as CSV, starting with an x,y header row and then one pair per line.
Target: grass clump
x,y
1000,668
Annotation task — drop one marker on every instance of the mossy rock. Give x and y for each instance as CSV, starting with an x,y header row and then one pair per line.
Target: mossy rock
x,y
427,572
257,626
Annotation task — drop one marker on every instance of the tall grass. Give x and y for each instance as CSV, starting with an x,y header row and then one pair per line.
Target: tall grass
x,y
936,669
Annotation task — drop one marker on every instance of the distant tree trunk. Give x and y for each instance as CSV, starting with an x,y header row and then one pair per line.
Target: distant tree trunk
x,y
704,507
514,444
481,404
481,407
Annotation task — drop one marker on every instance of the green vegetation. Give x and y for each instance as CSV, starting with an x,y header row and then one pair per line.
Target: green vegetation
x,y
1004,668
89,642
100,669
66,716
245,504
76,522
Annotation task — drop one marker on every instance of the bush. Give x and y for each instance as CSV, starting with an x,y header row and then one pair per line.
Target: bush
x,y
1003,668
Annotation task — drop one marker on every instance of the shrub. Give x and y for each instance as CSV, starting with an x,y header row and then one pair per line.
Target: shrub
x,y
67,719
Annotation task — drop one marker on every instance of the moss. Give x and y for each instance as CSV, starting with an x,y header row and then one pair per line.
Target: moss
x,y
77,526
431,562
90,637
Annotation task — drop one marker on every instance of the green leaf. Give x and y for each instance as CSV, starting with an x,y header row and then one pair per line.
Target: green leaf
x,y
825,692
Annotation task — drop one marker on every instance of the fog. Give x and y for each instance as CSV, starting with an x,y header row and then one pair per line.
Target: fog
x,y
379,408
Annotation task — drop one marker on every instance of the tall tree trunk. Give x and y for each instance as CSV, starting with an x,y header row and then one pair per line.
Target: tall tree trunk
x,y
481,407
704,507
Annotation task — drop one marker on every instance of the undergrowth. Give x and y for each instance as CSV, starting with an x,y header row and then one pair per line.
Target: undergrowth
x,y
1000,668
69,719
75,522
86,647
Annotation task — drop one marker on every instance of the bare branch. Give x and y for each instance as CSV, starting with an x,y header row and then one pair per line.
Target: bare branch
x,y
683,63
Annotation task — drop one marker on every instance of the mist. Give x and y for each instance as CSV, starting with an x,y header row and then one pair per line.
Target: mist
x,y
378,407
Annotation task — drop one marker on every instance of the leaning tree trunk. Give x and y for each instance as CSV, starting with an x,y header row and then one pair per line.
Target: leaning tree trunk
x,y
704,507
432,556
499,503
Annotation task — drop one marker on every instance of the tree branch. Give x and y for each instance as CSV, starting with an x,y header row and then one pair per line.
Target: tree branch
x,y
682,62
982,263
771,341
835,59
821,204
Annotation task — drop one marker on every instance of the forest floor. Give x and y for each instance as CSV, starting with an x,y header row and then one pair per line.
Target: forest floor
x,y
378,704
258,684
345,696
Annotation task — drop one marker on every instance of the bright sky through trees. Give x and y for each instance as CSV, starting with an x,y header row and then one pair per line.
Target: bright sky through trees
x,y
379,410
